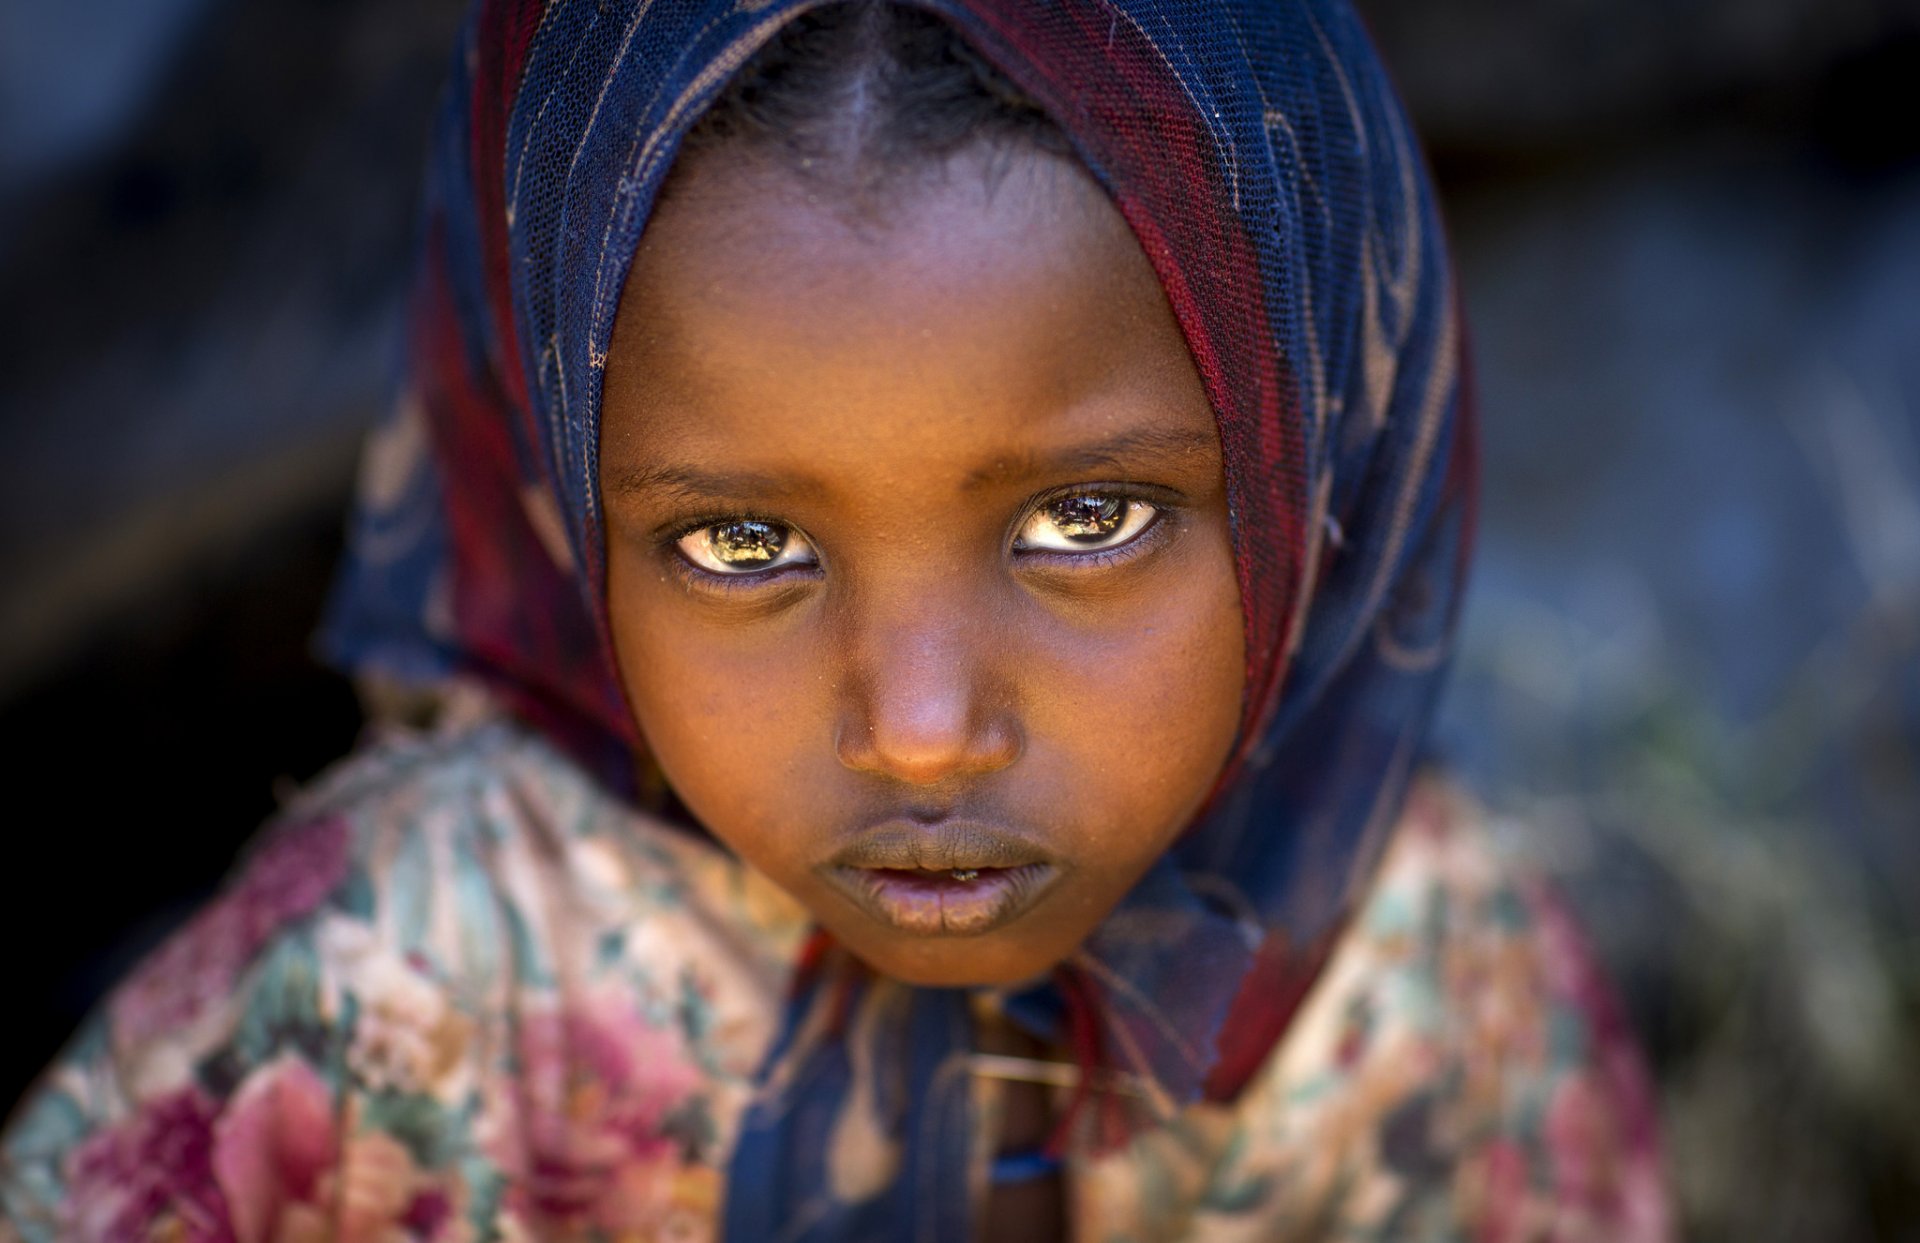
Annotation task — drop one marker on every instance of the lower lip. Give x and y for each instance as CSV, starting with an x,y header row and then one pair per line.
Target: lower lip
x,y
933,904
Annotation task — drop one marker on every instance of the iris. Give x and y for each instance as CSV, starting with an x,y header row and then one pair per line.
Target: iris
x,y
735,542
1087,519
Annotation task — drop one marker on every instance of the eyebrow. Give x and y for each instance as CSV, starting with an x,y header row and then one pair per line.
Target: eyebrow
x,y
1117,452
695,484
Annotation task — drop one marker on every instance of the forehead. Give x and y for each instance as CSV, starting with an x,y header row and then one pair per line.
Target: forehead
x,y
992,304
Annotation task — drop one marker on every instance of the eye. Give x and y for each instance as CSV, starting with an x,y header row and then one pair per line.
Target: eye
x,y
1084,522
741,546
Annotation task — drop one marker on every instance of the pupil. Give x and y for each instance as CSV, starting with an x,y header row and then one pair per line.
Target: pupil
x,y
737,542
1088,518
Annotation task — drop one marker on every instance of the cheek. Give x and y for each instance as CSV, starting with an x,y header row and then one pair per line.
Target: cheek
x,y
1144,715
727,712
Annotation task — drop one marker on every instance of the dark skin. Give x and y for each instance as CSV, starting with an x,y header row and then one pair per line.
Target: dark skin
x,y
916,518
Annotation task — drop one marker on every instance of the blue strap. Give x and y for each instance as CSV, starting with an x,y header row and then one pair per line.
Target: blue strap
x,y
1023,1166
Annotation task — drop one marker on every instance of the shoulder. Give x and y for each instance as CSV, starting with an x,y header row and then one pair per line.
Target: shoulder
x,y
1462,1068
436,914
399,853
487,862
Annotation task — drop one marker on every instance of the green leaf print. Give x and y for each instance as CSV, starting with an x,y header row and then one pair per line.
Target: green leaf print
x,y
419,1122
528,968
282,1005
410,891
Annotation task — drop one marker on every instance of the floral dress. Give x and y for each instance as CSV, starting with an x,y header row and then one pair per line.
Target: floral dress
x,y
458,992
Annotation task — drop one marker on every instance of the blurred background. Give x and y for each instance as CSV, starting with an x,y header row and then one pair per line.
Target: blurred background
x,y
1689,234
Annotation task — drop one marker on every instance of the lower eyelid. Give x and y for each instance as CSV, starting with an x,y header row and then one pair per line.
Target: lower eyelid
x,y
697,578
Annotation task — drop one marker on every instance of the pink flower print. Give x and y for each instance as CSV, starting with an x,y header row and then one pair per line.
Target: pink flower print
x,y
599,1083
1579,1134
1609,1185
290,876
272,1145
150,1177
429,1213
1601,1127
290,1178
1502,1187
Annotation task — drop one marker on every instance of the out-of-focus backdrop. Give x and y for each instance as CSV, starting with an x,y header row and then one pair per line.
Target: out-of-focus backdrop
x,y
1689,235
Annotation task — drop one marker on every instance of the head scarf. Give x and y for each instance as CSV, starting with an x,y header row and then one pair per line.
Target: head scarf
x,y
1263,162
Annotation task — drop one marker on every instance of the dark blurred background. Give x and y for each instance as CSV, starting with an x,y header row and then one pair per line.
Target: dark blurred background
x,y
1689,234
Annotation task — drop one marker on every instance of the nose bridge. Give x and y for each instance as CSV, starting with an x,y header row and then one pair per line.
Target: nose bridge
x,y
926,697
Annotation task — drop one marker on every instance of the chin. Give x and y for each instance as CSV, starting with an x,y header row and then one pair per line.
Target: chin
x,y
959,962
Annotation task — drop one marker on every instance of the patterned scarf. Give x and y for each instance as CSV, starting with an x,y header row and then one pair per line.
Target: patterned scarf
x,y
1263,162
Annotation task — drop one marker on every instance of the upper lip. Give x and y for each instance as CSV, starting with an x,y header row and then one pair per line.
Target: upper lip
x,y
938,846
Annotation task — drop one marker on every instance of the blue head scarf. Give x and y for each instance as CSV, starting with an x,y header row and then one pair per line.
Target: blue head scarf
x,y
1267,170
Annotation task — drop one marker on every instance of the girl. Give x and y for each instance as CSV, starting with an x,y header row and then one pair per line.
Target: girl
x,y
919,543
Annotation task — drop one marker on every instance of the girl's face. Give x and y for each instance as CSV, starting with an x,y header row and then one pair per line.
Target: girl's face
x,y
917,547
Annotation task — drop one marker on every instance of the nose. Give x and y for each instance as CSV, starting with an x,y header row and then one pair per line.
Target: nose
x,y
926,699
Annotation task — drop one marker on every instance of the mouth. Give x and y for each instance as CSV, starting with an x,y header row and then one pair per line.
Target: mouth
x,y
950,878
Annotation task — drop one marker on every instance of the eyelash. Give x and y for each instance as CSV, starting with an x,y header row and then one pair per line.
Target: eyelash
x,y
1148,538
